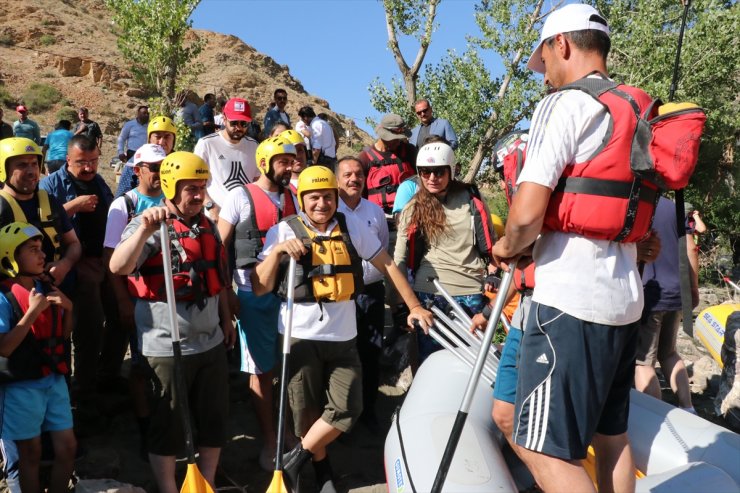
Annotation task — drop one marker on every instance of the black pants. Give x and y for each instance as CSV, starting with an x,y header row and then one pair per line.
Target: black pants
x,y
370,322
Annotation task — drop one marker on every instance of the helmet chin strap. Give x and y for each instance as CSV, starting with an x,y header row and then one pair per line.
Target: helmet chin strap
x,y
21,192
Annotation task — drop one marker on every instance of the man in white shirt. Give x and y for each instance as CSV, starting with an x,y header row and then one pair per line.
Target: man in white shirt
x,y
247,214
324,386
323,144
371,303
230,155
578,350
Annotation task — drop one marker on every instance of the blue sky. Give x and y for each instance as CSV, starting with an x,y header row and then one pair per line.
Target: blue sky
x,y
334,47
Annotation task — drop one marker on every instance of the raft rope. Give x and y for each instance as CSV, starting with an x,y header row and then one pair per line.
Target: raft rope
x,y
403,449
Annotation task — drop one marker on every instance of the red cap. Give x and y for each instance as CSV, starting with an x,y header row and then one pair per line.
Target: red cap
x,y
237,110
21,109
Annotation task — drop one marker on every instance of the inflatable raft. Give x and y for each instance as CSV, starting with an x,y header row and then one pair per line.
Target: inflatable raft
x,y
709,328
674,451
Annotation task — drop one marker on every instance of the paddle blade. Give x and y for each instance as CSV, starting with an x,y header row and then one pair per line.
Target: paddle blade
x,y
277,485
195,482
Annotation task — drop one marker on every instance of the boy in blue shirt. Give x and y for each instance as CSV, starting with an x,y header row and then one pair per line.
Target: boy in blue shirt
x,y
33,326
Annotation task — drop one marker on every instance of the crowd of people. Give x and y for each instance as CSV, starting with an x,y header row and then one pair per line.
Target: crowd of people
x,y
368,230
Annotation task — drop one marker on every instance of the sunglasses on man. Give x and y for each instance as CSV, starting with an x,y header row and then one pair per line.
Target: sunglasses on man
x,y
239,123
152,167
422,111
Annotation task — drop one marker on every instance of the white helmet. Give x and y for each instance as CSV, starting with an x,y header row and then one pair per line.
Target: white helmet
x,y
436,154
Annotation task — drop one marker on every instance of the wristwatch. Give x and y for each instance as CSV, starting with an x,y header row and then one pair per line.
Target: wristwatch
x,y
209,205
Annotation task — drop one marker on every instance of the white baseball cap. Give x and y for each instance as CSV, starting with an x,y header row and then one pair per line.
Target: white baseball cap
x,y
148,153
572,17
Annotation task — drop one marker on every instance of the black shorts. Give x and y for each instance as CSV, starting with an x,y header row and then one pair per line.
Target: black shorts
x,y
574,380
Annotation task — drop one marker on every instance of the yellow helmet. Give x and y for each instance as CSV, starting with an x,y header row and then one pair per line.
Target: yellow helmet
x,y
270,148
178,166
11,237
16,146
315,178
498,225
161,124
293,137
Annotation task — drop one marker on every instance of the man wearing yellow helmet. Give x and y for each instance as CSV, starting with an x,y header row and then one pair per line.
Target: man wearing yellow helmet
x,y
20,200
243,222
301,156
324,326
199,275
162,132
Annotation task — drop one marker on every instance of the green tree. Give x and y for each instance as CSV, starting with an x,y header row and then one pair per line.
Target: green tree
x,y
413,18
480,106
644,36
152,37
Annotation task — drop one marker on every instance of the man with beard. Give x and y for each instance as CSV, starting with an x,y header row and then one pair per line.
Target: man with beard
x,y
133,134
300,163
229,155
86,198
148,193
247,214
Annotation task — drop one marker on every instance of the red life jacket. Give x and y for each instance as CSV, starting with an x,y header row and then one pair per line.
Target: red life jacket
x,y
384,175
249,236
47,329
602,198
198,264
484,235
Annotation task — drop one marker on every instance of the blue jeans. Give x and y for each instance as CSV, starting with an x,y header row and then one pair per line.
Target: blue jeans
x,y
10,465
471,303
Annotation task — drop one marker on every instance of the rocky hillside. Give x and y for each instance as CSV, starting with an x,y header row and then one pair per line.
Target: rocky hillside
x,y
70,46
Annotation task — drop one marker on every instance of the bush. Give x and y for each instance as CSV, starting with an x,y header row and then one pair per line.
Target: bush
x,y
40,97
47,40
6,40
67,113
5,98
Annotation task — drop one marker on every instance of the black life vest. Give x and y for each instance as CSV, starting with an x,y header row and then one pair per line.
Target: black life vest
x,y
249,235
331,270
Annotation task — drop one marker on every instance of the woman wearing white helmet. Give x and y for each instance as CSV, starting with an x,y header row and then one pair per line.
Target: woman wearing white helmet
x,y
444,232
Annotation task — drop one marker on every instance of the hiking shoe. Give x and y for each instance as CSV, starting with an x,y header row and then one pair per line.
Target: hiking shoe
x,y
293,462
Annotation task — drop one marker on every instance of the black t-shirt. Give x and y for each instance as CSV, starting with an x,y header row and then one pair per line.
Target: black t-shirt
x,y
92,131
30,208
91,224
6,131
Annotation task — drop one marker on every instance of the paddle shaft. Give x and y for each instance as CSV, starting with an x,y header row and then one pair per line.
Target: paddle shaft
x,y
462,414
182,394
284,372
683,259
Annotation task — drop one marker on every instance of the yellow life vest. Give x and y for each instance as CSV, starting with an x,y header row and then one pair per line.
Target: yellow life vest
x,y
46,218
331,270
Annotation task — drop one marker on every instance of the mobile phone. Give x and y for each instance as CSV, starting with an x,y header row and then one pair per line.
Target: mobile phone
x,y
41,287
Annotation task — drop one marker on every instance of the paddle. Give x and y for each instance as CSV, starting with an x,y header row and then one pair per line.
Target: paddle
x,y
277,485
683,258
462,414
194,480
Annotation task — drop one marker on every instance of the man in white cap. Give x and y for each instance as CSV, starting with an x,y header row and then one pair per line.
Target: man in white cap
x,y
578,349
148,193
230,155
